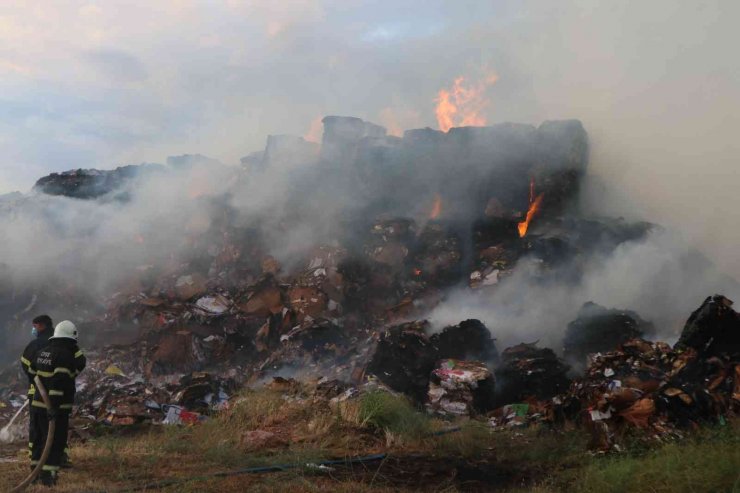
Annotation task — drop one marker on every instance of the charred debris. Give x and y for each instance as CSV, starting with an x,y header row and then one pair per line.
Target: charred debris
x,y
428,212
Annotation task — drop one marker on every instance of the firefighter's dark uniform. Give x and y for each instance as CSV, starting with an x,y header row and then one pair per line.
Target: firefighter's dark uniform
x,y
29,354
57,368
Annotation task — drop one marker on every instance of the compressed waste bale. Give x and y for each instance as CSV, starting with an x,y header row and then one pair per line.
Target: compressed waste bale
x,y
404,359
405,355
470,339
462,388
527,371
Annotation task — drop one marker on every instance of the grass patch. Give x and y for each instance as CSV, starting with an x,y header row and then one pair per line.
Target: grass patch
x,y
544,448
311,430
473,439
709,461
394,414
255,409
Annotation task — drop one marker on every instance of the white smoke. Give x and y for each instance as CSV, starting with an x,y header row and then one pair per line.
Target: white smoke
x,y
659,277
655,83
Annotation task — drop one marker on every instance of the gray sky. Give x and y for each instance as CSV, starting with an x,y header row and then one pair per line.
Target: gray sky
x,y
102,83
99,84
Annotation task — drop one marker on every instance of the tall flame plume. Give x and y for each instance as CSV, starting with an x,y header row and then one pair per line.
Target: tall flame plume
x,y
463,104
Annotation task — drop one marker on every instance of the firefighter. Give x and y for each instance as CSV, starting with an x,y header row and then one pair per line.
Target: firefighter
x,y
42,330
57,365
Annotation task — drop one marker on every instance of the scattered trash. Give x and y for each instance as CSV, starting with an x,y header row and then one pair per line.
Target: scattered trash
x,y
114,370
659,389
176,415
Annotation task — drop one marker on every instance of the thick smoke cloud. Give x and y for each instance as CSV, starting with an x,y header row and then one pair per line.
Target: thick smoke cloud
x,y
94,244
659,277
655,83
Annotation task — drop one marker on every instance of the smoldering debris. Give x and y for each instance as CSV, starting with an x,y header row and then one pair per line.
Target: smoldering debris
x,y
403,263
530,372
712,328
406,354
661,390
599,329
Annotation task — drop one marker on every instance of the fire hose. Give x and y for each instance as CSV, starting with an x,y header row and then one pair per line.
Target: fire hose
x,y
250,470
48,442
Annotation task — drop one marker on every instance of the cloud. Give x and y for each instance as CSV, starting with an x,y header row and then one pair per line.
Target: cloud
x,y
117,65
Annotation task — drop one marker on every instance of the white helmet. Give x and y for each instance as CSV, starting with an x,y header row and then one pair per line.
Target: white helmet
x,y
65,329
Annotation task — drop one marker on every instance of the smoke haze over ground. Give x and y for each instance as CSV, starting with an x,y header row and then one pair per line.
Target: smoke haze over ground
x,y
99,85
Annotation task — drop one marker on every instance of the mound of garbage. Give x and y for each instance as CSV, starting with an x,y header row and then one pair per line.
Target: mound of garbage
x,y
173,339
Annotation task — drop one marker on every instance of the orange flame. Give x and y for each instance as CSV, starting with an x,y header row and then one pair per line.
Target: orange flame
x,y
462,105
436,208
315,130
534,207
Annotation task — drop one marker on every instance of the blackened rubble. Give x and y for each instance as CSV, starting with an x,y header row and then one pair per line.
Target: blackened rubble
x,y
406,355
649,386
92,183
404,359
470,339
600,329
89,184
529,372
713,329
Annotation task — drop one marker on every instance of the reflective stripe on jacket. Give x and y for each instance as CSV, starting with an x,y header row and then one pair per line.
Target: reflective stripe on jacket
x,y
57,367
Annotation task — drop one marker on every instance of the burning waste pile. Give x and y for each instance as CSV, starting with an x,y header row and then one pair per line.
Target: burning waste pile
x,y
244,296
640,384
659,389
